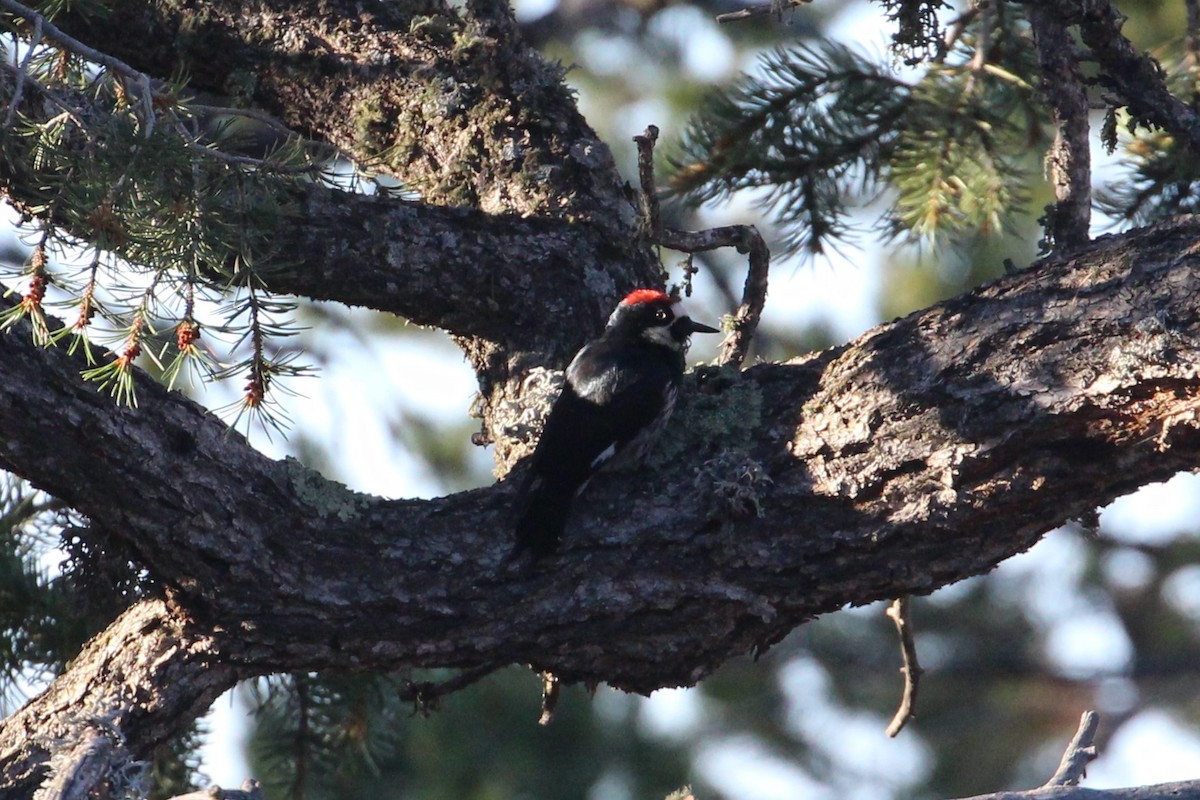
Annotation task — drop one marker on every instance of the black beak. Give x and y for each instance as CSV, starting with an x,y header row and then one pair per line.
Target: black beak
x,y
691,326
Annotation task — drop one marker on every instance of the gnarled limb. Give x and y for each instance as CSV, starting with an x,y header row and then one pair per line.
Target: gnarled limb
x,y
1068,164
134,687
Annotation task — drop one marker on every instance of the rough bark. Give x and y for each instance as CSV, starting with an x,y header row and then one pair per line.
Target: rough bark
x,y
454,105
1134,76
137,684
926,451
1068,162
503,278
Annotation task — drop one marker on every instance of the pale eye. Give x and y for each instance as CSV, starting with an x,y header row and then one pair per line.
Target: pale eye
x,y
662,315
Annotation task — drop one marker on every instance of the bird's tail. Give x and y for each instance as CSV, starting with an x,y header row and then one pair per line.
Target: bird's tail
x,y
542,510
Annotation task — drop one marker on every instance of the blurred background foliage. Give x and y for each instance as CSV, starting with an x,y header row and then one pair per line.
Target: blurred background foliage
x,y
1104,615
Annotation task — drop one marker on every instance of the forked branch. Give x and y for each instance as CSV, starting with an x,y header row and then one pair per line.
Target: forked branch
x,y
745,238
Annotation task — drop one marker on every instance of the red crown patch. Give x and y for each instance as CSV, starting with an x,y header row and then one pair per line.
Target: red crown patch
x,y
645,296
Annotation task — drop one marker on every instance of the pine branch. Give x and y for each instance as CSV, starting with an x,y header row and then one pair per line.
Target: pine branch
x,y
1162,173
807,131
824,128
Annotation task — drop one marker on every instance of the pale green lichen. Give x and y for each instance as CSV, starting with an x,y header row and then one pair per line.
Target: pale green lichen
x,y
367,117
718,411
328,498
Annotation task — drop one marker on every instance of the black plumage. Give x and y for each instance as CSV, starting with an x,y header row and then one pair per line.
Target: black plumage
x,y
619,392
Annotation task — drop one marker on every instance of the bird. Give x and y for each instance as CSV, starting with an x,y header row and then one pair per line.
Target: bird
x,y
619,392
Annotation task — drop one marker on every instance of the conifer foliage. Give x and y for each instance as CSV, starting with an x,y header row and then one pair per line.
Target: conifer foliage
x,y
950,145
147,206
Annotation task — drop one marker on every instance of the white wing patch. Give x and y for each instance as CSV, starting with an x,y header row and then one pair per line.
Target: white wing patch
x,y
599,460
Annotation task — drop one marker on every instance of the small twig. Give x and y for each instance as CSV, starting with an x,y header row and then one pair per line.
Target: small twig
x,y
251,790
147,105
68,111
245,161
898,612
53,33
745,238
426,695
1068,162
22,73
776,8
955,30
650,209
1080,752
550,692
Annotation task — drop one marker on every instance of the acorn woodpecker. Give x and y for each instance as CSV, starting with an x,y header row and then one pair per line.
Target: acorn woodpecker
x,y
620,390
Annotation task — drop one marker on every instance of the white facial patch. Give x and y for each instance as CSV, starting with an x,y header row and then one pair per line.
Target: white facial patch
x,y
661,334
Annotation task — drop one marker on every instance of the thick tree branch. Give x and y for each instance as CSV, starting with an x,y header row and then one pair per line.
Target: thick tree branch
x,y
928,450
453,268
1187,790
502,277
455,106
391,84
133,687
1064,784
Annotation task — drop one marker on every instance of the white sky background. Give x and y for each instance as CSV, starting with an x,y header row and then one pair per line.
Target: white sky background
x,y
342,407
